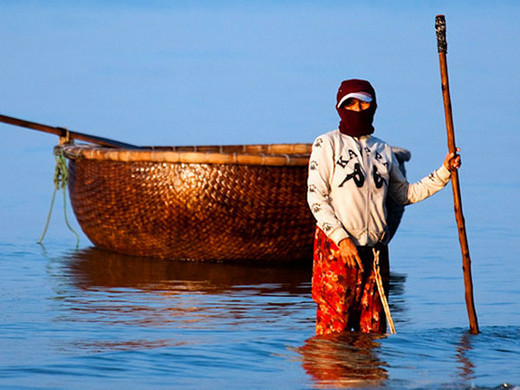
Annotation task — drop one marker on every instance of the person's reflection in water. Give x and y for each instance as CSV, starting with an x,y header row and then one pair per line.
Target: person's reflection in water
x,y
344,360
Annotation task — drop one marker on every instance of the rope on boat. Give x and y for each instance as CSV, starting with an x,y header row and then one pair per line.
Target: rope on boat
x,y
61,175
380,288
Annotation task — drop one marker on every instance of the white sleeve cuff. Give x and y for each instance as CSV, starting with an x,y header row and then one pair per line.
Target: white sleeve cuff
x,y
444,174
338,234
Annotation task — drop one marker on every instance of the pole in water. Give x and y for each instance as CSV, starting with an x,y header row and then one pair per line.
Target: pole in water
x,y
442,46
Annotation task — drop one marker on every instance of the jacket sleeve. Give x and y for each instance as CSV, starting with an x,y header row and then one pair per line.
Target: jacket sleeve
x,y
405,193
321,171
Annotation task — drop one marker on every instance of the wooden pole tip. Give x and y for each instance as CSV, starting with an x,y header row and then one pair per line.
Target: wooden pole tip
x,y
440,30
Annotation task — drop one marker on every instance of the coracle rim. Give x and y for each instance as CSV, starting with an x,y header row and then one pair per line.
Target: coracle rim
x,y
296,154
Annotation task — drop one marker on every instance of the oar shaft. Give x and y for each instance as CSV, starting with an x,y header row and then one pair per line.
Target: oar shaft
x,y
440,26
62,132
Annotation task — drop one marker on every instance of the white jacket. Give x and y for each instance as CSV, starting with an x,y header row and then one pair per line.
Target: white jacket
x,y
349,179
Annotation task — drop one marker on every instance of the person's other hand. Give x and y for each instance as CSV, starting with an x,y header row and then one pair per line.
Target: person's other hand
x,y
349,254
452,161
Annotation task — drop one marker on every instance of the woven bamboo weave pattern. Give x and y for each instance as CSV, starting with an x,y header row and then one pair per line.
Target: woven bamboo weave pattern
x,y
140,204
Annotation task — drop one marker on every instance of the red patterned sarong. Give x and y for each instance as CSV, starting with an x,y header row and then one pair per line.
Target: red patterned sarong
x,y
347,298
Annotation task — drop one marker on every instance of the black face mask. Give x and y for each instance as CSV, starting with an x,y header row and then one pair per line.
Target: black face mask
x,y
356,123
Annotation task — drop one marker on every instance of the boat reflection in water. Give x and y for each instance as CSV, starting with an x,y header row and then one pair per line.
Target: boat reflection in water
x,y
149,302
98,268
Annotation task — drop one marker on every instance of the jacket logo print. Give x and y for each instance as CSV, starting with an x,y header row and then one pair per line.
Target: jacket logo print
x,y
318,142
313,165
357,176
343,163
380,159
378,179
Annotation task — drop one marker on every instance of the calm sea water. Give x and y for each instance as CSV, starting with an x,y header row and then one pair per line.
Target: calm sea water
x,y
90,318
154,73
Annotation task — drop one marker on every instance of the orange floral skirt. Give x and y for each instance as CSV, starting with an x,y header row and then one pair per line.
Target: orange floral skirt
x,y
347,299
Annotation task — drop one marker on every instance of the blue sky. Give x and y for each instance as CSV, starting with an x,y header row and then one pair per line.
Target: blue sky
x,y
230,72
253,72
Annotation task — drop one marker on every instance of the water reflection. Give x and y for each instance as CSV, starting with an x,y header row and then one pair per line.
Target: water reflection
x,y
97,268
397,303
99,288
344,360
118,302
465,367
351,359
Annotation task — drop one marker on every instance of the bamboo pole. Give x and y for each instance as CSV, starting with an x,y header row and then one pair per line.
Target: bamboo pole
x,y
440,28
65,133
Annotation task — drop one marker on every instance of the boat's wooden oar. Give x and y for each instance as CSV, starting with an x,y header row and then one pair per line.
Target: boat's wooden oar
x,y
63,132
440,28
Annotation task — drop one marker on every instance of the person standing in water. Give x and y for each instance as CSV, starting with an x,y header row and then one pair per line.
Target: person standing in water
x,y
351,174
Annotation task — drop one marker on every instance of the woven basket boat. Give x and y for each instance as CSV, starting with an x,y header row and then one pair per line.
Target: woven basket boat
x,y
194,203
216,203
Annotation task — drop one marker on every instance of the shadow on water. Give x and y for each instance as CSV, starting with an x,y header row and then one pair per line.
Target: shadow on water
x,y
396,301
